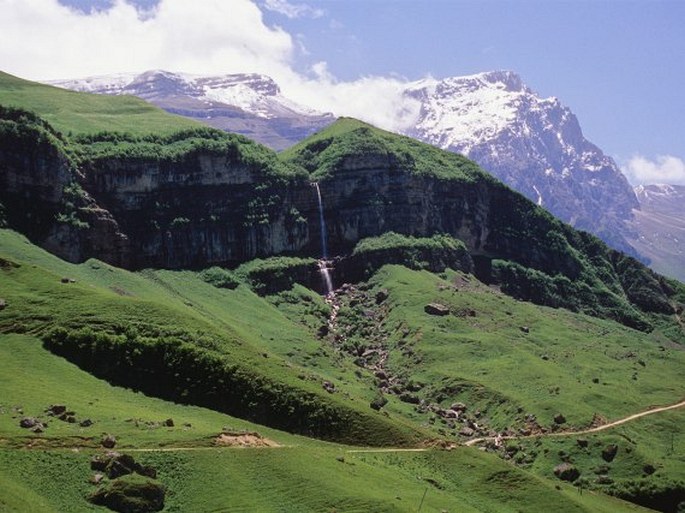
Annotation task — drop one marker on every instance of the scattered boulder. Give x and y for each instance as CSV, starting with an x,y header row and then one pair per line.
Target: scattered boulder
x,y
382,295
466,431
609,452
378,403
559,419
130,494
566,472
169,422
328,387
436,309
29,422
604,480
86,423
409,398
109,441
114,464
458,407
648,469
97,478
55,410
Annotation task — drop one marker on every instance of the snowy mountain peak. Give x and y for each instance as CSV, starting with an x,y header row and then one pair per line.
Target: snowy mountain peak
x,y
254,93
531,143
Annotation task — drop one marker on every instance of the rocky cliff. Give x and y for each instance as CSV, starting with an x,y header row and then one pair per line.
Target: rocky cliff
x,y
202,198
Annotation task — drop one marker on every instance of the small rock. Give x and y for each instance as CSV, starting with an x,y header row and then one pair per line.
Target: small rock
x,y
55,410
65,280
3,304
38,428
86,423
409,398
648,469
559,418
582,442
71,419
96,478
466,431
609,452
525,329
458,407
169,422
28,422
381,295
328,387
436,309
545,357
566,472
108,441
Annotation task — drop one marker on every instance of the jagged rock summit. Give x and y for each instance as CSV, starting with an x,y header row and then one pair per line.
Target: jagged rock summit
x,y
533,144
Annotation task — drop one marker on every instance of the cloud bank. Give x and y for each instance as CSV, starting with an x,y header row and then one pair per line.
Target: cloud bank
x,y
43,39
664,169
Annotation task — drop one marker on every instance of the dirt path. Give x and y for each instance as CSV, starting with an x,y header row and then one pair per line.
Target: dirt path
x,y
603,427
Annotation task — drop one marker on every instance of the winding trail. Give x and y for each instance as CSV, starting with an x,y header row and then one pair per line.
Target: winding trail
x,y
603,427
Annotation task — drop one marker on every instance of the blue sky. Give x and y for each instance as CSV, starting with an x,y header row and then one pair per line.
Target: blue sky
x,y
619,65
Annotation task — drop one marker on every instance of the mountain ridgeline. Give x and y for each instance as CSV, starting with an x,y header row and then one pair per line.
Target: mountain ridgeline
x,y
201,197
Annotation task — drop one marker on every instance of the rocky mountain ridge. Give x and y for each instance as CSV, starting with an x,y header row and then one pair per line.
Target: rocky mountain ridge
x,y
249,104
533,144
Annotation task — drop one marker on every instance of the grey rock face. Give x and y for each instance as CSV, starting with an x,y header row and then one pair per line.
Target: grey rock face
x,y
535,145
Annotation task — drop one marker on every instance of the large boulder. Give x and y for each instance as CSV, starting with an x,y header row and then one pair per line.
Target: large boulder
x,y
130,494
436,309
566,472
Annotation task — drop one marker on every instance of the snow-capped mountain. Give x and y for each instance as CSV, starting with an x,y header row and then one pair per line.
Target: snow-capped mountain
x,y
248,104
533,144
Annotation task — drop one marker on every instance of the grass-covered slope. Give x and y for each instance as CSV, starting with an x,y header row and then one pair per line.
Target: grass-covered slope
x,y
135,330
42,473
349,140
78,113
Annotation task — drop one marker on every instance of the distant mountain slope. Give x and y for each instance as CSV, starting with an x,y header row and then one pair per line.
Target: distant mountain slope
x,y
532,144
247,104
660,223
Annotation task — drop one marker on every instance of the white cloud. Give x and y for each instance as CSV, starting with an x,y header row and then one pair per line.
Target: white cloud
x,y
292,10
664,169
42,39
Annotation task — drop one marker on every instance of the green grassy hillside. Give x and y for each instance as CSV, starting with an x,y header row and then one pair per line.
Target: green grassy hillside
x,y
484,360
82,113
50,472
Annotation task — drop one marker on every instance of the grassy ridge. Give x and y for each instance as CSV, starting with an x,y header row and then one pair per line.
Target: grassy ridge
x,y
350,140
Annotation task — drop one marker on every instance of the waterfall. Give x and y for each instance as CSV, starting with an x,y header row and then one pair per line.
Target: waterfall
x,y
323,261
322,224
